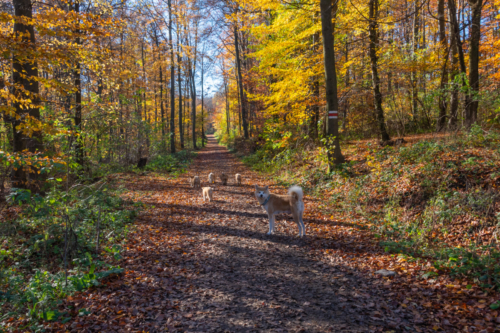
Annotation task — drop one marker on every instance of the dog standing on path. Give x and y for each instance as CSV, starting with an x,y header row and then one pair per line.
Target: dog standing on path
x,y
211,178
238,178
195,182
223,178
208,193
275,204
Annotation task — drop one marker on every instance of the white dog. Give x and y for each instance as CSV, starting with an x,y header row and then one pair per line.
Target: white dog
x,y
275,204
208,193
238,178
211,178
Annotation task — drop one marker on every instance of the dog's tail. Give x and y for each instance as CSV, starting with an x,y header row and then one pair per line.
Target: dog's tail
x,y
296,192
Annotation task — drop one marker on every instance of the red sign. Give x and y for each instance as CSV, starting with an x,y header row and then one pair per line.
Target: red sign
x,y
333,114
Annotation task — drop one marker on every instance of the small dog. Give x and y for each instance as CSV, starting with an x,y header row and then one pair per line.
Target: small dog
x,y
211,178
195,182
238,178
208,193
223,178
275,204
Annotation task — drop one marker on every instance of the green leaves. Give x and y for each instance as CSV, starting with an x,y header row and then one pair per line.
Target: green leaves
x,y
495,305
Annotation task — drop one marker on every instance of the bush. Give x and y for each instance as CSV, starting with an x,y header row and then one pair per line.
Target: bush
x,y
172,163
49,251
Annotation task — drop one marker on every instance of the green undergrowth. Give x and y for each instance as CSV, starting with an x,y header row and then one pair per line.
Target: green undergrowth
x,y
432,199
174,164
49,248
66,239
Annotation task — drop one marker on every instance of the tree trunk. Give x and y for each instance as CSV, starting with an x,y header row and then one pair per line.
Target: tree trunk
x,y
443,105
347,84
461,58
25,69
414,88
78,99
313,122
181,132
240,83
228,117
202,112
474,40
172,81
193,106
454,101
373,34
162,110
332,105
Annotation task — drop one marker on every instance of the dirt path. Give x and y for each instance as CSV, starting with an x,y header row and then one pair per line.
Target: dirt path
x,y
194,266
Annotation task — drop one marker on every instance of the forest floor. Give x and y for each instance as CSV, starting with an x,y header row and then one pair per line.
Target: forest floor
x,y
195,266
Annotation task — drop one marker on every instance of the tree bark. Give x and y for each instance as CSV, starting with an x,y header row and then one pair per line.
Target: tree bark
x,y
332,105
25,73
193,106
78,99
414,88
474,40
454,100
181,132
228,115
443,105
202,112
240,82
313,122
172,80
162,110
373,34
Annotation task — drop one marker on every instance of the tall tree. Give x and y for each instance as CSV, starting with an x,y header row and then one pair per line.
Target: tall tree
x,y
332,103
374,44
443,40
454,99
172,80
240,81
78,96
24,78
415,42
476,7
179,83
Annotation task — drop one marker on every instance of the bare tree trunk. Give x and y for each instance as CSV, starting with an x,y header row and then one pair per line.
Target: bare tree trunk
x,y
373,34
332,104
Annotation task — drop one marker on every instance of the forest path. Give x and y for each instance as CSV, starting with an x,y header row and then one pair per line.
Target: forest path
x,y
194,266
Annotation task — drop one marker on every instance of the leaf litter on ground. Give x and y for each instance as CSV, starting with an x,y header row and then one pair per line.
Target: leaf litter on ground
x,y
194,266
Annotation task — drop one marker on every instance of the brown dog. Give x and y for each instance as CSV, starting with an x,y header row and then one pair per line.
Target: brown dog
x,y
275,204
223,178
195,182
